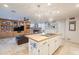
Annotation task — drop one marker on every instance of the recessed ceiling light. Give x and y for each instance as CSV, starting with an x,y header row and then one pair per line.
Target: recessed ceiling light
x,y
58,12
39,15
77,5
49,4
5,5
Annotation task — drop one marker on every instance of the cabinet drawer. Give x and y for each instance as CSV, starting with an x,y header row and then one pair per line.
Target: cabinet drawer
x,y
45,42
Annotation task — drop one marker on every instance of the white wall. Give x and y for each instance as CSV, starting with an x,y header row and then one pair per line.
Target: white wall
x,y
72,35
61,27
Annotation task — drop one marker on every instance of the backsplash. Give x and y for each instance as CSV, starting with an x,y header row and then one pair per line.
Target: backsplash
x,y
46,27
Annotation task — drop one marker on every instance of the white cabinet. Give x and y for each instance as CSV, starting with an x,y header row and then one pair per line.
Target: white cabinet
x,y
58,41
33,48
38,48
43,47
52,45
46,47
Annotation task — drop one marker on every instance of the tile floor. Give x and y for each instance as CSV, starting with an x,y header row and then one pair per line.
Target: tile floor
x,y
8,46
68,48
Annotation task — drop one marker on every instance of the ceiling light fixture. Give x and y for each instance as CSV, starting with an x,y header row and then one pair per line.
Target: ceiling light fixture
x,y
39,15
49,4
13,11
58,12
5,5
77,5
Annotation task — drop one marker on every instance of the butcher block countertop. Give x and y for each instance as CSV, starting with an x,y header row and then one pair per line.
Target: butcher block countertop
x,y
38,38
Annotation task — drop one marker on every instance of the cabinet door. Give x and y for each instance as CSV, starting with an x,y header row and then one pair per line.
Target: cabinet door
x,y
58,41
52,46
43,48
33,48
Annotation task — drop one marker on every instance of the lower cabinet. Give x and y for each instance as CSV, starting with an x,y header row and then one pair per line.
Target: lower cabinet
x,y
46,47
38,48
52,45
33,48
58,41
6,34
43,47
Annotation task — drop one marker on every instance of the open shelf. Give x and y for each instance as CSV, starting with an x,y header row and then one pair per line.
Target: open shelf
x,y
7,28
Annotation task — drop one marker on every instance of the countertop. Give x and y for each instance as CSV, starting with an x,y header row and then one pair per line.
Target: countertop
x,y
38,38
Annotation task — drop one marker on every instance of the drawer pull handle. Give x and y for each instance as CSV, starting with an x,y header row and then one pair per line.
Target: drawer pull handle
x,y
44,43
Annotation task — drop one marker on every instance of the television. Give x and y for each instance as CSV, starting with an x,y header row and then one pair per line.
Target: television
x,y
19,29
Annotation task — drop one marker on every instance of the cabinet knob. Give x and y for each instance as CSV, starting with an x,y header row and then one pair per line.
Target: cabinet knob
x,y
38,50
55,40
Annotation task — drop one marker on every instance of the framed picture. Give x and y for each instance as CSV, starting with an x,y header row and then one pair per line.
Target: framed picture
x,y
72,25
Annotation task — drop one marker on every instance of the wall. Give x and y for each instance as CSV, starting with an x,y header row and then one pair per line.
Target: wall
x,y
72,35
61,27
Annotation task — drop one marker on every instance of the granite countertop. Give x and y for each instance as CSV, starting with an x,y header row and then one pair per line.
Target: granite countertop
x,y
38,38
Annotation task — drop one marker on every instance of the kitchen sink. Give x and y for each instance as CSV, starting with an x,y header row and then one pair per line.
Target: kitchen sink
x,y
49,34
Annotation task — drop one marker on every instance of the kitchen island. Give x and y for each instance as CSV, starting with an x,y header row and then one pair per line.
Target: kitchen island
x,y
44,44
